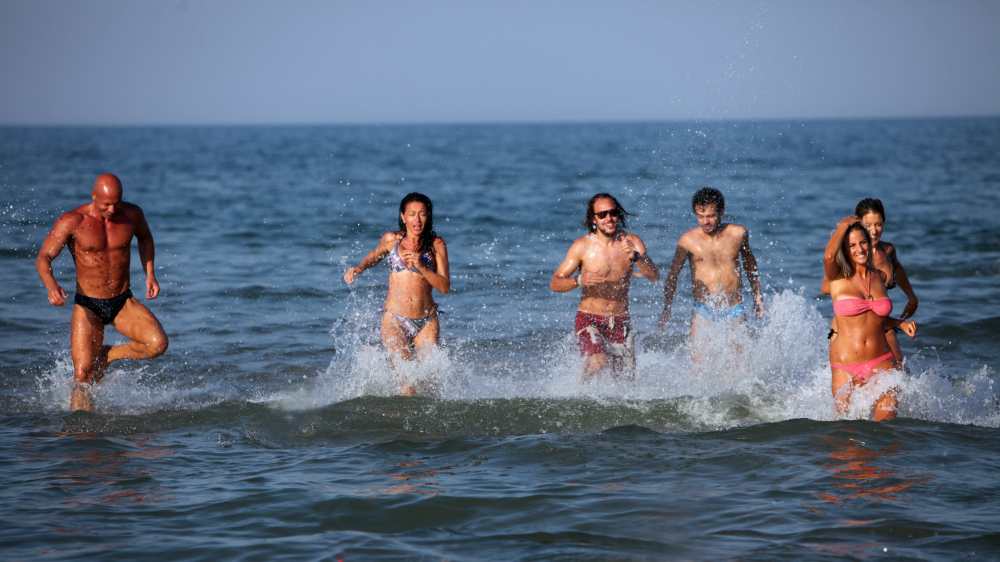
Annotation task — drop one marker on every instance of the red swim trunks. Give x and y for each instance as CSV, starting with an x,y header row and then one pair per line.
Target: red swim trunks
x,y
607,335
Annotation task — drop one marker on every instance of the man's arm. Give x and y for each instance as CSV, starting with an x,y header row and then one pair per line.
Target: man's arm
x,y
670,286
147,253
644,263
750,265
54,243
563,280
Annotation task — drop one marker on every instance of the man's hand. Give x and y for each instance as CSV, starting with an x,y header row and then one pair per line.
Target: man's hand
x,y
628,247
57,296
152,287
664,318
350,273
593,277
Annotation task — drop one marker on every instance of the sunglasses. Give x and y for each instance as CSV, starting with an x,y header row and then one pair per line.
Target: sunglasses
x,y
603,214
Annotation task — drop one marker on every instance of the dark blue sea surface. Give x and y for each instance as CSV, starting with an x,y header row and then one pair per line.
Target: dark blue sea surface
x,y
270,429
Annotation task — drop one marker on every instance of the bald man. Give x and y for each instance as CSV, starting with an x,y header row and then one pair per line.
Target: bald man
x,y
99,235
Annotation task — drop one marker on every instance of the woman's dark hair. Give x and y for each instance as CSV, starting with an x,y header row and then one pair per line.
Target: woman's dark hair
x,y
589,221
869,205
708,196
845,265
428,235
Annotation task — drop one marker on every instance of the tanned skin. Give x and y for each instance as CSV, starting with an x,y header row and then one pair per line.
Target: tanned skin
x,y
99,237
604,261
874,223
862,337
409,293
714,251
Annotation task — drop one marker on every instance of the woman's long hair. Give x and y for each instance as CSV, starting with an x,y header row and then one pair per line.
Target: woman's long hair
x,y
428,235
869,205
846,267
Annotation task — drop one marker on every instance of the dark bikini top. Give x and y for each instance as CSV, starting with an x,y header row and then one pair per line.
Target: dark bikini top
x,y
891,283
396,264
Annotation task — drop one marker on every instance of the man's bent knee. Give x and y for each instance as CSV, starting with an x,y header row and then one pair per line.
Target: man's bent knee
x,y
158,345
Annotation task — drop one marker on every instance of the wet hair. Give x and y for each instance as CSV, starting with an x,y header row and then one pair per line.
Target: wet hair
x,y
845,266
428,235
708,196
622,213
869,205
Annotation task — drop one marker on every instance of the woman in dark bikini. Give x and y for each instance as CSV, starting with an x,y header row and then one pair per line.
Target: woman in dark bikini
x,y
861,307
872,216
418,262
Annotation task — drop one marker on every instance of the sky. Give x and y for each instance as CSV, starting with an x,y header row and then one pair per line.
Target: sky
x,y
181,62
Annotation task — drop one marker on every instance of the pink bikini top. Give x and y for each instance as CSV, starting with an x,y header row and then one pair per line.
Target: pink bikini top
x,y
854,307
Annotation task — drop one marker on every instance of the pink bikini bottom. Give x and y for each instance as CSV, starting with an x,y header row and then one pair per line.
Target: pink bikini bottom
x,y
862,370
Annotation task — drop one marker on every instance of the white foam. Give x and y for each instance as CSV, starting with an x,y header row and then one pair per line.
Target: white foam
x,y
778,367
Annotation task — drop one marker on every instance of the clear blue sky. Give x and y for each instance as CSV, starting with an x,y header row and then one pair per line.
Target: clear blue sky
x,y
121,62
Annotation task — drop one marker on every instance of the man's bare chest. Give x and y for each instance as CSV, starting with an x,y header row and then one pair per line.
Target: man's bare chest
x,y
716,255
96,236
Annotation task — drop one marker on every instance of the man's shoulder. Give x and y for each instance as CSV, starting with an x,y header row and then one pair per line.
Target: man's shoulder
x,y
72,218
633,236
735,230
132,211
690,238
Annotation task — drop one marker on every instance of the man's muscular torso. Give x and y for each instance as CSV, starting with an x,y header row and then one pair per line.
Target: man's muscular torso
x,y
101,249
611,270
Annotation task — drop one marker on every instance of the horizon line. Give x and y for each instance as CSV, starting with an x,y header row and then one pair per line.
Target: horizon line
x,y
153,124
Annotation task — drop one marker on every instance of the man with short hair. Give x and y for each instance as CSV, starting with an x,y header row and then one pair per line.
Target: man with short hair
x,y
99,235
714,250
605,260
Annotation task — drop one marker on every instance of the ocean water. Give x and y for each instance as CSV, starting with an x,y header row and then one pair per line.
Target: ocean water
x,y
269,430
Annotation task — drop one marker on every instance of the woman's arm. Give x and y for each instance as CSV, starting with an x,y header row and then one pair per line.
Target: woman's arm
x,y
910,328
903,281
373,257
830,268
440,279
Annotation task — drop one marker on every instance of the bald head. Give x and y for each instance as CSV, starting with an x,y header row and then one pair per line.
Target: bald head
x,y
108,185
107,195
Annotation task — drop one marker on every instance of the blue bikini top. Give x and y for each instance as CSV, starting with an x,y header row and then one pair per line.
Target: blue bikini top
x,y
396,264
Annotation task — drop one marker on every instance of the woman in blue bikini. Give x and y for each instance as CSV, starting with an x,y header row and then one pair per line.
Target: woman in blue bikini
x,y
418,262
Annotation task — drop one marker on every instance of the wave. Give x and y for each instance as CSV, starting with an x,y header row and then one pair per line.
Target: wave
x,y
772,370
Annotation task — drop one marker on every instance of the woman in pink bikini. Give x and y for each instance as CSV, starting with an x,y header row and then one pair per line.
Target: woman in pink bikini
x,y
418,262
861,307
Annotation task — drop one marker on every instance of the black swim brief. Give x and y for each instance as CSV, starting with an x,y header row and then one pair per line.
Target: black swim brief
x,y
105,309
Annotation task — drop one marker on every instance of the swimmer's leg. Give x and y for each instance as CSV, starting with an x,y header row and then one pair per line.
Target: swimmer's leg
x,y
842,385
137,323
594,365
885,405
397,342
89,355
697,323
426,341
428,337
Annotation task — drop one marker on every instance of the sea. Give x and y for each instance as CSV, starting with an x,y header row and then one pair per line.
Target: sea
x,y
270,429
